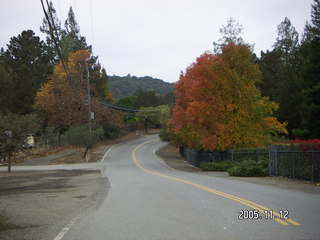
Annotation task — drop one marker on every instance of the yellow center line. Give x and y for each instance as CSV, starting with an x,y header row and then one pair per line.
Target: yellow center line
x,y
243,201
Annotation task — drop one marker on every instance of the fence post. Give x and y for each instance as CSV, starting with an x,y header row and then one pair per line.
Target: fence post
x,y
269,162
276,162
312,169
293,169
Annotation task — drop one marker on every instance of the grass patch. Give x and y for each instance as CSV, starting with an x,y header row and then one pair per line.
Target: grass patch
x,y
4,220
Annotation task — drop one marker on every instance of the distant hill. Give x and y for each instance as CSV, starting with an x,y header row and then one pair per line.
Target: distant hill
x,y
127,86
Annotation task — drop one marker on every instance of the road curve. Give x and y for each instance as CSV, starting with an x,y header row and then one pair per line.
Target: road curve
x,y
148,200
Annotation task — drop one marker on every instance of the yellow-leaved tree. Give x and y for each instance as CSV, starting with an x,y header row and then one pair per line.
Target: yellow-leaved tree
x,y
63,100
218,105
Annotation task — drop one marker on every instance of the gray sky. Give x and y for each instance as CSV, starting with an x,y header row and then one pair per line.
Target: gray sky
x,y
157,38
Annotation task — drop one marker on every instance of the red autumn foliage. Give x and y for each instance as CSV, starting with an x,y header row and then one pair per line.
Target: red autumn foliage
x,y
218,106
303,145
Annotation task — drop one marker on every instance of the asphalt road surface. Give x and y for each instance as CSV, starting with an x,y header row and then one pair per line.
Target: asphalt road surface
x,y
149,200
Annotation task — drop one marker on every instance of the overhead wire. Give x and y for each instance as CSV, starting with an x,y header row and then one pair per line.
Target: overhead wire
x,y
60,12
52,30
91,26
126,109
52,35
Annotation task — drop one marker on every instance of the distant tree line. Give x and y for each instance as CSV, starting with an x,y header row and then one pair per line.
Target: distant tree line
x,y
129,85
145,99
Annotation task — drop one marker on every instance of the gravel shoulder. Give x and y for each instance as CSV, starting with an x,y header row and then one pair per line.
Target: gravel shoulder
x,y
71,155
40,204
171,157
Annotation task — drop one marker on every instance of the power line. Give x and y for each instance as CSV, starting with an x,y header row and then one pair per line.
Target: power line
x,y
52,35
91,25
60,12
52,20
126,109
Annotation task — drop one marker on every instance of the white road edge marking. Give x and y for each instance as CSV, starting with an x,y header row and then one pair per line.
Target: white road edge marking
x,y
75,219
160,160
163,162
69,225
105,155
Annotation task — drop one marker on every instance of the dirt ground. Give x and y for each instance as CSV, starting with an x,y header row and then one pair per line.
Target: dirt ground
x,y
70,155
172,158
39,204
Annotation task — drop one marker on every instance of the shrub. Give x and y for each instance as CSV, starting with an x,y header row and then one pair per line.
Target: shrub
x,y
80,136
164,136
250,168
112,132
216,166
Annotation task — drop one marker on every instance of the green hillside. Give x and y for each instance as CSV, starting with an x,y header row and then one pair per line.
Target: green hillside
x,y
128,85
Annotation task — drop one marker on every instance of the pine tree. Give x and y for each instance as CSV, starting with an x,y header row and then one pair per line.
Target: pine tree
x,y
71,40
30,66
280,77
310,73
56,31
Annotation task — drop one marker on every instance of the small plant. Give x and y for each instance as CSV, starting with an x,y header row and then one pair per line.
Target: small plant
x,y
250,168
4,220
216,166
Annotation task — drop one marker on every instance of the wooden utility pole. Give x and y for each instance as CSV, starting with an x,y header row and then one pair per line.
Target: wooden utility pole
x,y
89,104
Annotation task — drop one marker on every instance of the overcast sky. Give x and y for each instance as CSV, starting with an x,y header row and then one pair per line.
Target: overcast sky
x,y
157,38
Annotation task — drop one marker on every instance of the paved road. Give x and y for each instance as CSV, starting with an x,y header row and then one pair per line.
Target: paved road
x,y
148,200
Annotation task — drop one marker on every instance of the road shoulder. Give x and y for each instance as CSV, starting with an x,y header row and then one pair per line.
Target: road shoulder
x,y
171,157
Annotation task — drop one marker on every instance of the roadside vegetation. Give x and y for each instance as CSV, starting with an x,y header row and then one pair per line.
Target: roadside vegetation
x,y
227,99
64,97
4,220
230,99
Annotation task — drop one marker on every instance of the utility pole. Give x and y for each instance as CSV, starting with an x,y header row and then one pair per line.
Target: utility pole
x,y
89,104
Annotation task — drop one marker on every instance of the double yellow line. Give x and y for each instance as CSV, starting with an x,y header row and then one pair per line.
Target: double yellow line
x,y
243,201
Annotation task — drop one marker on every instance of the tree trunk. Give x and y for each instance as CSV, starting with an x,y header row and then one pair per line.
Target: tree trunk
x,y
85,153
146,128
9,163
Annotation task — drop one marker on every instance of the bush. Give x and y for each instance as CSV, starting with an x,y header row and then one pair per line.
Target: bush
x,y
111,132
216,166
80,136
250,168
164,136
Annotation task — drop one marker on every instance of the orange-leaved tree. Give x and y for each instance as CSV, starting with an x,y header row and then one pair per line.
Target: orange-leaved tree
x,y
218,105
63,100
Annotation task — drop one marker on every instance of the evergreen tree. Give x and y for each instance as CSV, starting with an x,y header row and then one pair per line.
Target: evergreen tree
x,y
57,31
28,59
71,40
6,89
270,66
230,34
310,73
100,85
280,79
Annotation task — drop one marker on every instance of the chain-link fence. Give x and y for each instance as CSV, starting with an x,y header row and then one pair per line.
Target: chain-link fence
x,y
234,155
295,164
282,161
